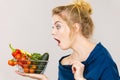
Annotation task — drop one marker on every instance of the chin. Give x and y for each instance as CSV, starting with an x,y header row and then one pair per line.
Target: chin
x,y
64,47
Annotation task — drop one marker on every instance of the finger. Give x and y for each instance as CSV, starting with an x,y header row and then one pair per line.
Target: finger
x,y
73,70
77,66
25,74
20,73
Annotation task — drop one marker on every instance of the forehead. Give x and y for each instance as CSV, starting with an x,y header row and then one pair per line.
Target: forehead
x,y
57,19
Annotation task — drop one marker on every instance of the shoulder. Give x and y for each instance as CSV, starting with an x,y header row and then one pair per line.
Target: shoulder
x,y
103,55
99,56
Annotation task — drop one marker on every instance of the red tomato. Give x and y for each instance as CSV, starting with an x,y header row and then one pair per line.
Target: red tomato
x,y
32,70
26,70
15,62
20,63
33,66
14,54
25,66
11,62
17,51
18,56
28,62
23,59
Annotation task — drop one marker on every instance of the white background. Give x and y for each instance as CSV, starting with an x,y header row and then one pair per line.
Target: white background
x,y
26,24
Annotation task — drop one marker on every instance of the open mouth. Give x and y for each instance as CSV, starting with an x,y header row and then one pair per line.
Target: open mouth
x,y
57,41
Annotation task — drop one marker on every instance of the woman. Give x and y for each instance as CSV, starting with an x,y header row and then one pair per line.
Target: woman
x,y
72,29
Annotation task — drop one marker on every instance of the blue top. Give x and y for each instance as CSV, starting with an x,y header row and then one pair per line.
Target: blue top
x,y
98,66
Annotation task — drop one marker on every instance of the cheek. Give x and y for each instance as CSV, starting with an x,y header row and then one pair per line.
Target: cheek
x,y
62,34
65,33
66,40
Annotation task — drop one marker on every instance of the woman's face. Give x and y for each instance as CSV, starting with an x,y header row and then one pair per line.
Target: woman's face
x,y
61,32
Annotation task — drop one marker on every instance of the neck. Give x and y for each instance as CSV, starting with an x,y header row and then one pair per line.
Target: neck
x,y
82,47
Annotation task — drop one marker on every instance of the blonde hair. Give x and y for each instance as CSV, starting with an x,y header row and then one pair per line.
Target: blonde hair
x,y
77,12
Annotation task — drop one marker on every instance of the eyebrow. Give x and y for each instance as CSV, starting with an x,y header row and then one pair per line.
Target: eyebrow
x,y
57,22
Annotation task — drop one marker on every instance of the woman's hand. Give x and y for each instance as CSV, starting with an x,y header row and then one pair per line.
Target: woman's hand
x,y
78,69
34,76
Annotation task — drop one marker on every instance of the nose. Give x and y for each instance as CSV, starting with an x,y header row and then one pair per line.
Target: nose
x,y
53,31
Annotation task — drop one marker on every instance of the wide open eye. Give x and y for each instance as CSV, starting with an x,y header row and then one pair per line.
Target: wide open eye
x,y
58,27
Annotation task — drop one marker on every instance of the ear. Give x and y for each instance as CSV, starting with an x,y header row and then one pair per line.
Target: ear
x,y
77,27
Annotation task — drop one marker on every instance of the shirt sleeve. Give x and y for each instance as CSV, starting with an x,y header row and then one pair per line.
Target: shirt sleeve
x,y
110,73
